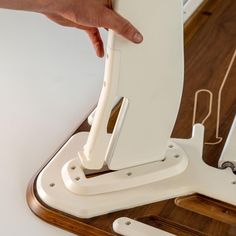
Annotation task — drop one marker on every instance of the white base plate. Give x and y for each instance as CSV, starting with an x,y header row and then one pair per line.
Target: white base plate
x,y
196,177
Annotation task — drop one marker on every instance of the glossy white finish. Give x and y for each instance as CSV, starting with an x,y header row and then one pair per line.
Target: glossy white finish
x,y
190,6
228,156
198,177
129,227
92,115
50,79
150,77
74,178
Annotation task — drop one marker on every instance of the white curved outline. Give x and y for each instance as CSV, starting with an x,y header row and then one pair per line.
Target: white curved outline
x,y
196,102
211,101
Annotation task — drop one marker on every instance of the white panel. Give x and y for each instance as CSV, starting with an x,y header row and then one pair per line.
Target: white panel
x,y
190,6
150,76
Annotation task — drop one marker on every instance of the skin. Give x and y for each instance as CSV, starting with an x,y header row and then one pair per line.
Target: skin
x,y
87,15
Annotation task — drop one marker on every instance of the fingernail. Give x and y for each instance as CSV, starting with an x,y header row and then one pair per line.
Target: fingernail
x,y
138,38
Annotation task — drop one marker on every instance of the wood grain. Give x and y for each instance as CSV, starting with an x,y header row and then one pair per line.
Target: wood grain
x,y
200,204
210,42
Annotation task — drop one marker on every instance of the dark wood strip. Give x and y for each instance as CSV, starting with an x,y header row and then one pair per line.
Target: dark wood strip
x,y
208,207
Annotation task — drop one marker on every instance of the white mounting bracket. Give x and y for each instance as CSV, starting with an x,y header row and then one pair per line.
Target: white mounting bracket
x,y
141,75
129,227
190,175
189,7
74,177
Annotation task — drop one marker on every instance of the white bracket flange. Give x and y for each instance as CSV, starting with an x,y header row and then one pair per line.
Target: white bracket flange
x,y
74,177
197,177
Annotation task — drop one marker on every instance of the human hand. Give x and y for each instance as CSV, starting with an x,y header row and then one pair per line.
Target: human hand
x,y
89,15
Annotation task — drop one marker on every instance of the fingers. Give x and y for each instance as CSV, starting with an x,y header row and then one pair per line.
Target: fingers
x,y
114,21
93,33
96,40
93,14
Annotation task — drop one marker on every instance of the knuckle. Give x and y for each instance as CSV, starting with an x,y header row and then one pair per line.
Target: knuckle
x,y
127,29
101,17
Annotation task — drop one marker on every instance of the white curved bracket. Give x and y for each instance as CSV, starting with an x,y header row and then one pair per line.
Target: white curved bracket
x,y
150,78
196,177
74,177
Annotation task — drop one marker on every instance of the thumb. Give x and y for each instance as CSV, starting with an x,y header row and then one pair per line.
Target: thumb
x,y
120,25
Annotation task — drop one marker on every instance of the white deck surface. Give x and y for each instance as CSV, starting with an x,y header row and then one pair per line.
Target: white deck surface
x,y
50,80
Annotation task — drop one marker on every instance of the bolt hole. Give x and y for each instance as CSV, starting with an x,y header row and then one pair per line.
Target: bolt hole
x,y
171,146
77,178
163,159
234,182
128,223
129,174
52,185
73,167
177,156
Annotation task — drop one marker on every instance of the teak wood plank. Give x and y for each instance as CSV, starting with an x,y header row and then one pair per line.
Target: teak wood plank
x,y
200,204
209,97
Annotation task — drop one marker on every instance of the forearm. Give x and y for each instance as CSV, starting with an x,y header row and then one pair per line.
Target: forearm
x,y
27,5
